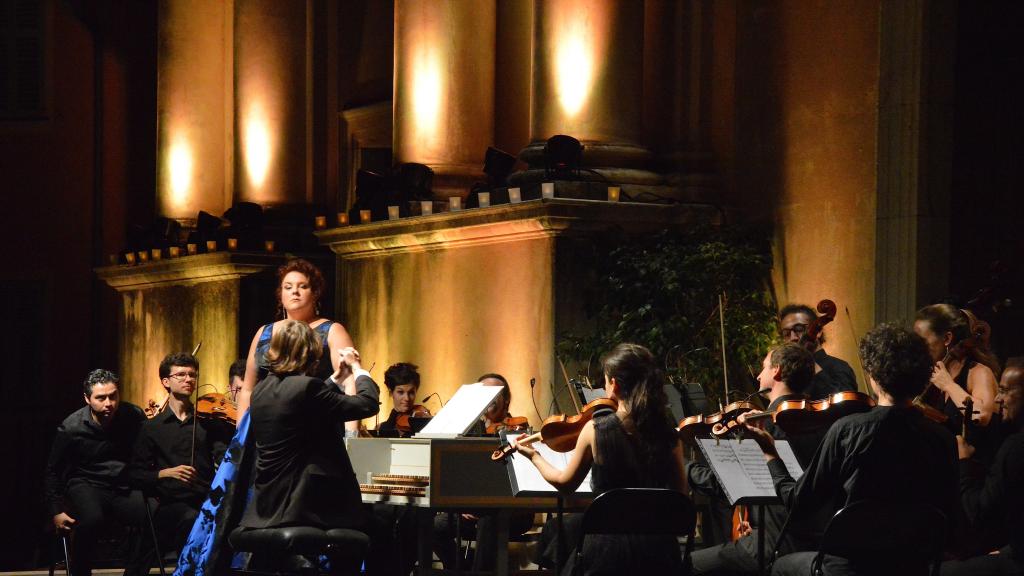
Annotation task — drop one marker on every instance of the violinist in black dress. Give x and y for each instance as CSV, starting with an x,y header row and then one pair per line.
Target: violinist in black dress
x,y
631,447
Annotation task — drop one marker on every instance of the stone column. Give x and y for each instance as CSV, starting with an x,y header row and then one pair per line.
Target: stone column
x,y
273,102
588,66
444,88
194,108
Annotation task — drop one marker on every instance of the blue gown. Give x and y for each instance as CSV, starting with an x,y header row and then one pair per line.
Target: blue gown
x,y
207,552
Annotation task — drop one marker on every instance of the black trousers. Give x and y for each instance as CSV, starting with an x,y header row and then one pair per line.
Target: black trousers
x,y
93,507
731,558
172,522
1002,564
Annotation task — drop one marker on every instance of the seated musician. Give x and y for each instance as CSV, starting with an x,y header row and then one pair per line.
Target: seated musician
x,y
303,476
786,371
174,459
831,374
236,378
957,376
87,481
631,447
890,453
995,500
482,526
403,382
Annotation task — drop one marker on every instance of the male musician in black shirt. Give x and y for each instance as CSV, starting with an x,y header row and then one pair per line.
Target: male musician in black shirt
x,y
174,458
890,453
786,371
993,503
831,374
86,477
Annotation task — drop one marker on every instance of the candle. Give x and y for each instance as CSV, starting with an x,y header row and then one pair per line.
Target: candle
x,y
484,198
143,256
547,189
613,193
157,254
342,218
320,222
232,244
129,257
211,245
192,248
174,251
393,213
426,207
454,203
514,195
364,216
268,245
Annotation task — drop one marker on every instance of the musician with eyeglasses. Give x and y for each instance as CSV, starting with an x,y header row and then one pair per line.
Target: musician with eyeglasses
x,y
175,455
831,374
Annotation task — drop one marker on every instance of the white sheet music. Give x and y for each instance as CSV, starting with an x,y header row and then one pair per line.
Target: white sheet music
x,y
741,468
461,412
526,479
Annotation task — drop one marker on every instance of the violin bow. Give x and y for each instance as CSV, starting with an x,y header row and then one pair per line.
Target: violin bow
x,y
721,325
860,361
195,413
568,385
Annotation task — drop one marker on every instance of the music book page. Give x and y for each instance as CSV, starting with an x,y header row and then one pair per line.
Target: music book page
x,y
526,479
461,411
741,469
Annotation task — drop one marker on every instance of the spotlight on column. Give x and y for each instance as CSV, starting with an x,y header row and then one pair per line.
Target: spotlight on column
x,y
562,157
246,225
413,182
207,228
498,164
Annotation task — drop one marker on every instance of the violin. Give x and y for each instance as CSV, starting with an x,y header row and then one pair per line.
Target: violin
x,y
801,415
509,424
404,425
217,406
701,425
559,432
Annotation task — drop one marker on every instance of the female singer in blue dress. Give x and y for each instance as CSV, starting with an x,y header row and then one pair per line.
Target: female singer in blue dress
x,y
300,285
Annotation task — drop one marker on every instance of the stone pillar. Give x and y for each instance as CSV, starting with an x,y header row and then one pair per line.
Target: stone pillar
x,y
588,66
194,108
444,88
273,102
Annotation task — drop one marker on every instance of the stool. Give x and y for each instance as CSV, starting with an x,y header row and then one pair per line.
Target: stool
x,y
272,546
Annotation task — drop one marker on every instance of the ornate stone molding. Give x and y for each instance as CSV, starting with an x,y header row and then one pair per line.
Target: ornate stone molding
x,y
187,270
506,223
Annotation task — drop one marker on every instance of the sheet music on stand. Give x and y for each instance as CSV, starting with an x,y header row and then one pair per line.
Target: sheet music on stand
x,y
461,412
741,468
526,480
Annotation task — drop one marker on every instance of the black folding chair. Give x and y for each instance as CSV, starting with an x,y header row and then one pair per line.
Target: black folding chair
x,y
881,537
639,512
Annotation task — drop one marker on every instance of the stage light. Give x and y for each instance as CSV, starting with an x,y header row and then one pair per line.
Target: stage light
x,y
562,157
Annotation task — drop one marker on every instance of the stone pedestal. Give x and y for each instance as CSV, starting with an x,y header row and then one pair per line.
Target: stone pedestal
x,y
464,293
218,299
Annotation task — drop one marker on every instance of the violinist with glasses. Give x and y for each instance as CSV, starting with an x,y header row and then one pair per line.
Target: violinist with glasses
x,y
175,455
993,501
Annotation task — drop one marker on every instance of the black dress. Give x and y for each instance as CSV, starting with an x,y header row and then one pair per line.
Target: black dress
x,y
619,463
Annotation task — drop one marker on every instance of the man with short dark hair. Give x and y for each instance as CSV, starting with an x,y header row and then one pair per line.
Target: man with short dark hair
x,y
87,480
993,502
831,374
890,453
786,372
236,376
174,459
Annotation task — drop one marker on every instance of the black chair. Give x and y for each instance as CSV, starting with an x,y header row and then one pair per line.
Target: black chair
x,y
639,512
273,548
880,537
